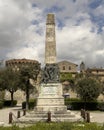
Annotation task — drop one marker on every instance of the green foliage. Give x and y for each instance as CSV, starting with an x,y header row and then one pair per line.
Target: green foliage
x,y
84,105
32,104
2,94
27,73
7,103
65,77
101,106
69,100
9,81
88,89
1,104
77,104
58,126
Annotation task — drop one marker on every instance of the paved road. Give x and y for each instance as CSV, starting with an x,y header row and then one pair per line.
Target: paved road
x,y
96,116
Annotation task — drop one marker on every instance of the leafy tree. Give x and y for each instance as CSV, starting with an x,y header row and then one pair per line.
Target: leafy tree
x,y
65,77
88,88
26,74
9,81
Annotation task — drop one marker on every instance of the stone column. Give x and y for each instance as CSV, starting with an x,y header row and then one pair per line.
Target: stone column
x,y
50,46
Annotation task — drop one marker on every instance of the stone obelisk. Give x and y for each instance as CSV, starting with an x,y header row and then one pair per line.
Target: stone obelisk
x,y
50,96
50,45
50,99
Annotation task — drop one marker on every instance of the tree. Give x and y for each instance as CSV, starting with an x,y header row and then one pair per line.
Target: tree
x,y
9,81
27,73
88,89
65,77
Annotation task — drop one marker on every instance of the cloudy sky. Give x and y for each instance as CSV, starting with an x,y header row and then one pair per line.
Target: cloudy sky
x,y
79,30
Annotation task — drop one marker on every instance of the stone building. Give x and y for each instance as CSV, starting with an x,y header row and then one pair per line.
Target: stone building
x,y
96,72
16,64
68,70
82,67
68,67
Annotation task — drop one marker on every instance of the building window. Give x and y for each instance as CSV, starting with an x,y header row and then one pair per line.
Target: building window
x,y
63,67
69,67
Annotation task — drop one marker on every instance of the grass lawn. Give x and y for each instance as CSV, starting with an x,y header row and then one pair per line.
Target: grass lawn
x,y
58,126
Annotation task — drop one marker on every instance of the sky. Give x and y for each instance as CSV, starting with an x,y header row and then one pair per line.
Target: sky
x,y
79,30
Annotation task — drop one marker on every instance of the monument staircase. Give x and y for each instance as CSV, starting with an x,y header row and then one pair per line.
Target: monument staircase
x,y
39,116
50,107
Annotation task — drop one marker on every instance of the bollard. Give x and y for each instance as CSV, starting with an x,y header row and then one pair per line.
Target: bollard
x,y
10,117
88,117
24,112
83,113
49,117
18,114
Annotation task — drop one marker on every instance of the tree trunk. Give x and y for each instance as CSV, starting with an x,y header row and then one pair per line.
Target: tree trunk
x,y
27,96
12,99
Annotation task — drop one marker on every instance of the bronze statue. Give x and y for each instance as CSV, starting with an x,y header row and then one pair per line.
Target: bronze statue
x,y
50,73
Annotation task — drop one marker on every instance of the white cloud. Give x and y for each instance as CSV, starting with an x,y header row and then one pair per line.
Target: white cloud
x,y
77,40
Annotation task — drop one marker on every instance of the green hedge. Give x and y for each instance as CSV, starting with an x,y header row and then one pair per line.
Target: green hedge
x,y
32,104
7,103
101,106
77,104
1,104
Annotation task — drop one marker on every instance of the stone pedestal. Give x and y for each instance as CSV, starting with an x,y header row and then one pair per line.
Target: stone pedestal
x,y
50,98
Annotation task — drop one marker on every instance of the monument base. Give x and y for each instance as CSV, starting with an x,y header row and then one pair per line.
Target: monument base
x,y
50,98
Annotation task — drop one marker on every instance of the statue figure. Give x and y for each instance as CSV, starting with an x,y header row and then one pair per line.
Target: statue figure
x,y
50,73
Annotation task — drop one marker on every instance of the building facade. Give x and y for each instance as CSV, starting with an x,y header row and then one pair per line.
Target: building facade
x,y
96,72
68,67
18,63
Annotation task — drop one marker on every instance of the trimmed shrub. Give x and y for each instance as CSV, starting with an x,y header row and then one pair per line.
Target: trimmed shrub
x,y
77,104
7,103
84,105
32,104
1,104
101,106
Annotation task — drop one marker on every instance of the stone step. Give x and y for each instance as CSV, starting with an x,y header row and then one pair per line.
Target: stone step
x,y
53,115
34,120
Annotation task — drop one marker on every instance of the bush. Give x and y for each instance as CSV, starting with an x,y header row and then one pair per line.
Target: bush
x,y
69,100
7,103
32,104
101,106
1,104
87,105
77,104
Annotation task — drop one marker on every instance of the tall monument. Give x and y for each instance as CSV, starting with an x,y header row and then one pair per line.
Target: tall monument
x,y
50,97
50,46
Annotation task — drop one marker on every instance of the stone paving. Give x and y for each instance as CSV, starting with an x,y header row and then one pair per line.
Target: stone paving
x,y
96,116
4,114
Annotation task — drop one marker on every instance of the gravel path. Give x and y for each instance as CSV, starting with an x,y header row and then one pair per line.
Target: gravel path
x,y
4,114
